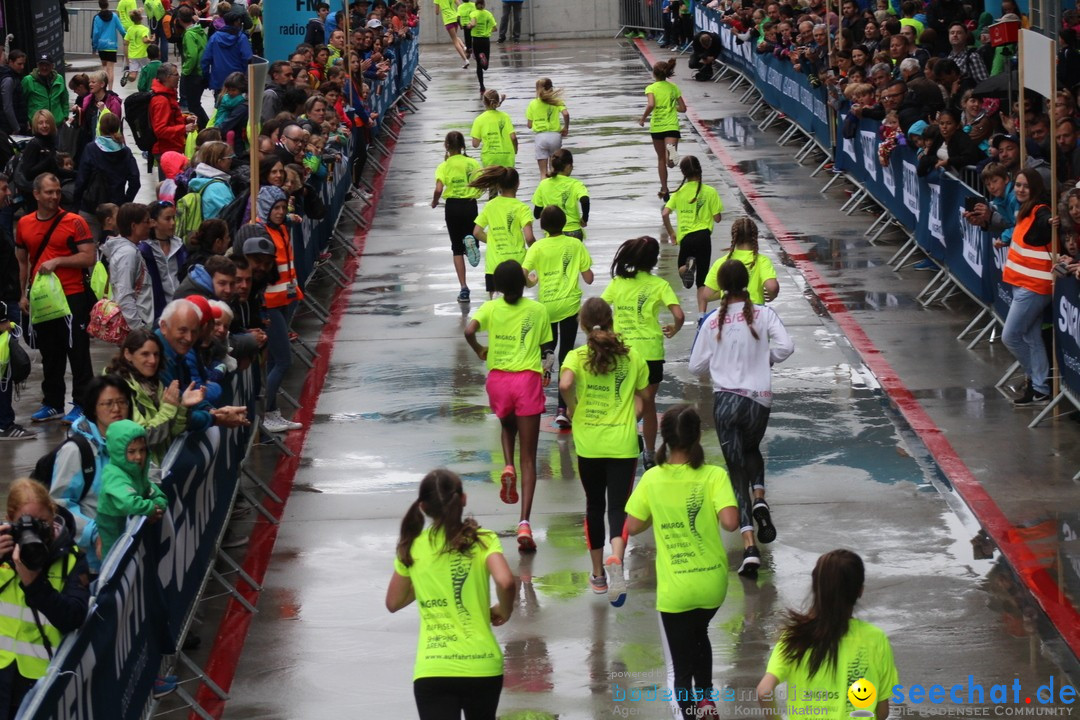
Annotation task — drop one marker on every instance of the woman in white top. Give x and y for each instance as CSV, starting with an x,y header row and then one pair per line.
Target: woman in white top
x,y
737,344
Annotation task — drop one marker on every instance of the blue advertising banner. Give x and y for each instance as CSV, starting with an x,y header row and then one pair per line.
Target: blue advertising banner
x,y
285,27
1067,332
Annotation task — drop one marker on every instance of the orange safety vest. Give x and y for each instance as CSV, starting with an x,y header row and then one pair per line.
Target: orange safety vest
x,y
278,294
1028,266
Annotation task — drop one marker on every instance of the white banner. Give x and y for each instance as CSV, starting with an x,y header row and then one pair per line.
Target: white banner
x,y
869,153
973,240
1040,54
889,179
935,213
911,188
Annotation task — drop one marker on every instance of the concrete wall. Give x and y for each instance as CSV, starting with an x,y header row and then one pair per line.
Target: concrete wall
x,y
541,20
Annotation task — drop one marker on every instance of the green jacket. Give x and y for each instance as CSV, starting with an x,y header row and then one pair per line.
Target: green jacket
x,y
49,95
147,75
163,422
192,46
125,487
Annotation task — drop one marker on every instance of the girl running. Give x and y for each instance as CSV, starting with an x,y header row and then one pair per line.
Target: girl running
x,y
594,381
664,102
447,12
465,11
733,346
481,25
516,328
554,262
697,209
494,129
763,287
542,116
452,179
671,498
566,192
825,650
447,566
508,218
637,297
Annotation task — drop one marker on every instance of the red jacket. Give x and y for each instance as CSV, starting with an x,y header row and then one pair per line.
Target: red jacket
x,y
167,119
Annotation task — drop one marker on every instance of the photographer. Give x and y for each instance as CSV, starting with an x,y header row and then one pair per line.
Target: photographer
x,y
706,47
44,590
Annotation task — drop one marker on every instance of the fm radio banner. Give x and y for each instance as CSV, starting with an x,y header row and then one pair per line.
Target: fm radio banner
x,y
285,24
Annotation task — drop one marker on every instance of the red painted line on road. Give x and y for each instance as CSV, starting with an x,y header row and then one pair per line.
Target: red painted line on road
x,y
233,630
1036,578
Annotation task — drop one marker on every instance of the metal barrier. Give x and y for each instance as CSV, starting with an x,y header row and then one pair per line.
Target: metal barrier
x,y
77,40
640,15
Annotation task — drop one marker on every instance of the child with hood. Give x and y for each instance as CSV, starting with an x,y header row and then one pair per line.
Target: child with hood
x,y
172,164
125,483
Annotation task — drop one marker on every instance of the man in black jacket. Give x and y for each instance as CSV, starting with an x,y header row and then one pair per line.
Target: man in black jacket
x,y
9,315
706,48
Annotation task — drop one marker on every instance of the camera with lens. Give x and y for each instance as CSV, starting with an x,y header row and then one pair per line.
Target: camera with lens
x,y
32,536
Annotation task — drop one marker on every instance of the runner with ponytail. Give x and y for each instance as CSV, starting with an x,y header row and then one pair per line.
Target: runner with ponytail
x,y
661,110
505,223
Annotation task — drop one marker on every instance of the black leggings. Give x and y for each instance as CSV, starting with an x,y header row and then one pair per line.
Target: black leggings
x,y
446,698
687,635
460,218
482,54
740,427
563,334
614,476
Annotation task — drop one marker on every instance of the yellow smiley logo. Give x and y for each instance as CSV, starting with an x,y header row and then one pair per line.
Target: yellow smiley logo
x,y
862,693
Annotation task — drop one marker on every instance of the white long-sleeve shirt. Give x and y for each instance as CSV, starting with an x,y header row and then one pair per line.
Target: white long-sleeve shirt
x,y
737,362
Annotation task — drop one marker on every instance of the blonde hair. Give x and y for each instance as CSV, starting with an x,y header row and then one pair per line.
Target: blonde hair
x,y
492,99
212,153
547,93
853,90
24,491
46,114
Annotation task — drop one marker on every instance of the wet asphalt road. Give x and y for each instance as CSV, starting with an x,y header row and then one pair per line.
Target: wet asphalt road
x,y
405,394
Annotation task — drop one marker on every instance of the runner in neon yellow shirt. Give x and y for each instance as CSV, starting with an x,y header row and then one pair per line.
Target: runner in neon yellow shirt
x,y
661,110
465,11
517,327
554,262
494,131
823,652
548,117
686,502
452,179
458,660
137,38
600,381
763,286
637,297
447,12
567,193
481,25
698,208
507,218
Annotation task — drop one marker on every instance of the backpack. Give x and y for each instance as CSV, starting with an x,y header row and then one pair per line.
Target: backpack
x,y
170,26
137,114
182,179
189,213
43,470
97,191
233,213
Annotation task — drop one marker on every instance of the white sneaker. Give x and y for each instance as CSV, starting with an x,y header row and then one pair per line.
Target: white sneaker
x,y
672,156
273,422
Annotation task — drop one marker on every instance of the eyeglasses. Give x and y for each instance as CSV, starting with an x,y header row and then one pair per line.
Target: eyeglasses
x,y
110,404
294,139
893,96
229,157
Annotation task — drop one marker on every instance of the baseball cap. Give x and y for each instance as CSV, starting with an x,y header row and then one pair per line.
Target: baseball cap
x,y
374,23
45,58
917,128
259,245
1002,137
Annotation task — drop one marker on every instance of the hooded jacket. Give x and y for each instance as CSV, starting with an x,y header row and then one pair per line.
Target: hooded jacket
x,y
114,163
12,100
161,420
68,483
192,45
103,33
125,486
167,119
228,51
46,94
217,194
130,280
164,270
197,282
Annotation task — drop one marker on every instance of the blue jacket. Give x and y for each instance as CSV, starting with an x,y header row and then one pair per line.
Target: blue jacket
x,y
186,369
103,34
68,483
228,51
216,195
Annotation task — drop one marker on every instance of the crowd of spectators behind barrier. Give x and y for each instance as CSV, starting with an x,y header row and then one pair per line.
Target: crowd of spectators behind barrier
x,y
199,286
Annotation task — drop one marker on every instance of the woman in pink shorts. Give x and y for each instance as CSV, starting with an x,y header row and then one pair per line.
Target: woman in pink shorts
x,y
516,328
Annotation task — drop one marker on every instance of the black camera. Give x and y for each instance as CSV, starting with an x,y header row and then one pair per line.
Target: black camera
x,y
32,537
971,201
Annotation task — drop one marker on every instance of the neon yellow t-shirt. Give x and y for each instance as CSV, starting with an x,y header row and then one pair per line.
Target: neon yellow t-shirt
x,y
485,23
453,595
448,9
694,208
455,173
134,38
864,652
761,270
493,129
465,11
566,192
637,303
557,261
515,333
504,218
545,118
665,115
604,421
683,503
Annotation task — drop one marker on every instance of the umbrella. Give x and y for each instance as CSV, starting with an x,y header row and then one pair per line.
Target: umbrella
x,y
1002,85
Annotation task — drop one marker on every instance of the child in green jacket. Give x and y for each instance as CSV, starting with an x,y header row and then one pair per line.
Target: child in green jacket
x,y
125,484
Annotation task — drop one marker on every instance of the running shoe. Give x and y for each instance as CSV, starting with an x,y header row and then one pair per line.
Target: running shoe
x,y
1031,398
688,275
562,420
123,82
707,709
501,40
73,415
463,296
672,156
45,414
648,460
766,531
468,53
465,66
616,581
273,422
17,432
525,538
508,491
598,584
164,685
472,250
927,265
482,59
751,561
548,364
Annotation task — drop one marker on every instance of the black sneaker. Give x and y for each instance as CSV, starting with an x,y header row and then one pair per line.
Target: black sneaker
x,y
1030,398
751,561
766,532
17,432
501,40
688,274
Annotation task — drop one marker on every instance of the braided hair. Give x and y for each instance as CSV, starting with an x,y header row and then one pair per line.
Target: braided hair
x,y
733,278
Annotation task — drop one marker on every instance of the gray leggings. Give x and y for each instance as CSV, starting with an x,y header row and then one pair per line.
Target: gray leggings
x,y
740,427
